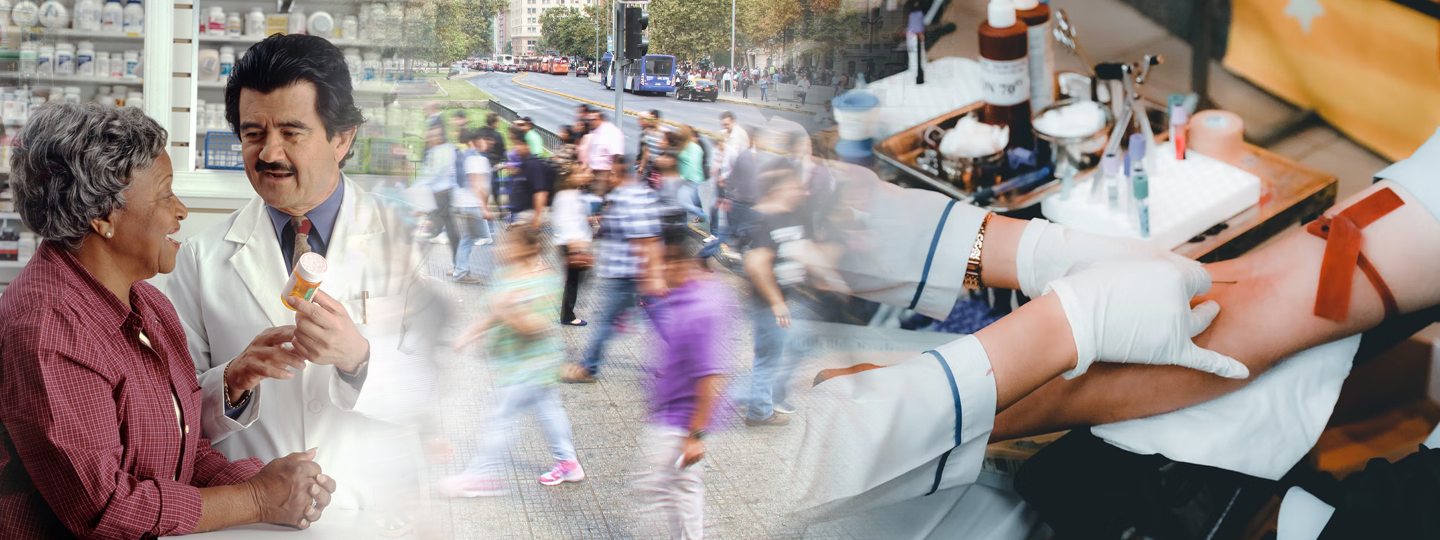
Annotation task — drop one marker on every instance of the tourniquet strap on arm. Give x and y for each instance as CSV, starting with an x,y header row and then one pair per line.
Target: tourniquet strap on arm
x,y
1342,255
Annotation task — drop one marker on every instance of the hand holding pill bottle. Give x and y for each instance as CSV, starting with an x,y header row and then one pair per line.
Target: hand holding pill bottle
x,y
305,279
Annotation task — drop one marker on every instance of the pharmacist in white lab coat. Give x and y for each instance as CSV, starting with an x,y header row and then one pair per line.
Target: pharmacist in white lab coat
x,y
347,372
915,433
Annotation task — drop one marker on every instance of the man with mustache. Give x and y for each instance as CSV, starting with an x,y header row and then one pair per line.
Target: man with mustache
x,y
327,370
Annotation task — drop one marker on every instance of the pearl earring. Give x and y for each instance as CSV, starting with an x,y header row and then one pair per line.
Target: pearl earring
x,y
109,234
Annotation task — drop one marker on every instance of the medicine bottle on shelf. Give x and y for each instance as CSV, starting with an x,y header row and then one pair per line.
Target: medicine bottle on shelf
x,y
1005,73
112,17
305,279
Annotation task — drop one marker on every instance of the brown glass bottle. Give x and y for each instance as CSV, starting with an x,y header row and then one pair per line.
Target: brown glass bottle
x,y
1036,17
1005,73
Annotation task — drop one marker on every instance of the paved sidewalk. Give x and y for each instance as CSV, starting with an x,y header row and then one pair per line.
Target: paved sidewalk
x,y
742,467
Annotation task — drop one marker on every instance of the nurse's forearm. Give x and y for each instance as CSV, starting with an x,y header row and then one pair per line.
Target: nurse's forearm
x,y
997,259
1020,361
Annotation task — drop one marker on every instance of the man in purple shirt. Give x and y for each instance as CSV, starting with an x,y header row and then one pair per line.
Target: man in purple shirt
x,y
691,322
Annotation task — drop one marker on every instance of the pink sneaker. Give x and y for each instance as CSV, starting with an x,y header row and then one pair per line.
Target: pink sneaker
x,y
469,485
563,471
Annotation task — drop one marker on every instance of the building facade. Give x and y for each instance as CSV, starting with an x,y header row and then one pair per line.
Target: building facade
x,y
523,23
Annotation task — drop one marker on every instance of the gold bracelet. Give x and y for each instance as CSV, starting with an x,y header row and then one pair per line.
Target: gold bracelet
x,y
225,389
972,267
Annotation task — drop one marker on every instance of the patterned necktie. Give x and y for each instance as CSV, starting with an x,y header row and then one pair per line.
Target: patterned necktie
x,y
301,224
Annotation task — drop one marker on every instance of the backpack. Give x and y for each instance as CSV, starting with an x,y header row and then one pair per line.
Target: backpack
x,y
461,179
705,156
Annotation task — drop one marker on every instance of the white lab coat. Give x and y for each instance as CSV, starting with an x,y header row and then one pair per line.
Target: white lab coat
x,y
908,441
227,286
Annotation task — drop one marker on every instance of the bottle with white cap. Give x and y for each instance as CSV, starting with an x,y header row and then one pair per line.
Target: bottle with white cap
x,y
102,95
64,59
215,23
103,64
112,17
45,60
132,63
85,59
255,22
227,61
234,25
87,15
136,100
72,94
1005,73
134,17
1036,17
297,21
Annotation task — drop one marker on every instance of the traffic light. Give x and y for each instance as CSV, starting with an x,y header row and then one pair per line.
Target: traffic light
x,y
636,44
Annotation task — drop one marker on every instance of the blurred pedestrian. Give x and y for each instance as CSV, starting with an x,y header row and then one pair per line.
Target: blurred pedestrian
x,y
522,344
742,189
438,172
471,212
628,261
606,142
780,247
529,182
573,233
690,165
692,323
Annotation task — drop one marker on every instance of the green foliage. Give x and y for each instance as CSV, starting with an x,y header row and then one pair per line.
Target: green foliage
x,y
568,30
444,31
690,29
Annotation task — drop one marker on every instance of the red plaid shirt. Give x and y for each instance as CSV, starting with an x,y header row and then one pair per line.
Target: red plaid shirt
x,y
92,446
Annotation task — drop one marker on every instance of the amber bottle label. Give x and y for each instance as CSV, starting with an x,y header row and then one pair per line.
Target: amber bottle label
x,y
1006,82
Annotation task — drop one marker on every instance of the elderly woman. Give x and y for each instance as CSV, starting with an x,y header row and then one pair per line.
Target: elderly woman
x,y
100,406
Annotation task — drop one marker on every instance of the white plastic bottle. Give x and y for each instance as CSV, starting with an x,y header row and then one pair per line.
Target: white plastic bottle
x,y
132,63
134,17
350,27
102,95
5,13
227,61
215,25
54,15
102,64
234,25
45,61
136,100
297,21
72,94
255,23
85,59
64,59
112,17
25,14
87,15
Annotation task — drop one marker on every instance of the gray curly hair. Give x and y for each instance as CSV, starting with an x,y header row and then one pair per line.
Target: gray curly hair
x,y
72,163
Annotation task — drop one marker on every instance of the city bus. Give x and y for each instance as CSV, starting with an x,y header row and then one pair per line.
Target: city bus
x,y
653,73
559,66
503,61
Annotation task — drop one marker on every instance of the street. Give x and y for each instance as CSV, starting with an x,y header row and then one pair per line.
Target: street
x,y
551,111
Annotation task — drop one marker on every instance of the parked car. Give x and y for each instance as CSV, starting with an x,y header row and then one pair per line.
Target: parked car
x,y
580,69
698,89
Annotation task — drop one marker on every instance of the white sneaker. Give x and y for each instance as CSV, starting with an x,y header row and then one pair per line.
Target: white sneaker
x,y
440,240
483,242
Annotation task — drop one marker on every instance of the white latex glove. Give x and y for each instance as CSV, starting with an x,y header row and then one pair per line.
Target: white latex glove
x,y
1049,251
1140,313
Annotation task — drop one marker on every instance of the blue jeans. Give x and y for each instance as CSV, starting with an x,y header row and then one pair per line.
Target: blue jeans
x,y
620,294
778,352
690,200
472,227
740,219
512,403
764,93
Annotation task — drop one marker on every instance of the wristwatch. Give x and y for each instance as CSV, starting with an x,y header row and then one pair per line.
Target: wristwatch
x,y
698,434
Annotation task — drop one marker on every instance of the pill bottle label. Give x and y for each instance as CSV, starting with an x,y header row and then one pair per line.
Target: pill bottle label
x,y
1006,82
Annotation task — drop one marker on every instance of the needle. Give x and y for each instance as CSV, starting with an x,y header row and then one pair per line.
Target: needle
x,y
1222,281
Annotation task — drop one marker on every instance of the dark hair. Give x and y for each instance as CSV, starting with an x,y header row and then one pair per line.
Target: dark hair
x,y
282,60
467,135
491,120
524,235
655,113
727,115
517,133
675,139
460,114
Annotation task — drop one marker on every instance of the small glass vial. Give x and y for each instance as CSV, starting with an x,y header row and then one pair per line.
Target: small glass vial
x,y
306,278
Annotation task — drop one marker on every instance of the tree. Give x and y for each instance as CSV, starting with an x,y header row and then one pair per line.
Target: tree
x,y
568,31
690,29
444,31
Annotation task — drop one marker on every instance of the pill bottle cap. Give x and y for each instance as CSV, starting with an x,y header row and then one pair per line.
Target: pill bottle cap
x,y
1021,5
312,267
1137,147
1001,13
1110,164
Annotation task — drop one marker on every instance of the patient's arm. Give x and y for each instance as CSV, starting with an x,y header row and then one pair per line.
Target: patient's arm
x,y
1266,316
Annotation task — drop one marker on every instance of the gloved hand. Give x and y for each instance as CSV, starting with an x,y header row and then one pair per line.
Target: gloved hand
x,y
1140,313
1049,251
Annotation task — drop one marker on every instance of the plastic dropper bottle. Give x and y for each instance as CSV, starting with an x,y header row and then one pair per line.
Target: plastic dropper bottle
x,y
1005,73
1110,167
1140,184
1036,17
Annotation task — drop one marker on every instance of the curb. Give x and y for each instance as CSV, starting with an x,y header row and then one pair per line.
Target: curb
x,y
737,102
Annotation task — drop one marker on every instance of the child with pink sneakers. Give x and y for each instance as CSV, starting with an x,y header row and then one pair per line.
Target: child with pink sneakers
x,y
522,342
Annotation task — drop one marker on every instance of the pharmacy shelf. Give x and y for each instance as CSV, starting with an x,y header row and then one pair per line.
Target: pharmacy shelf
x,y
210,85
10,215
96,36
42,78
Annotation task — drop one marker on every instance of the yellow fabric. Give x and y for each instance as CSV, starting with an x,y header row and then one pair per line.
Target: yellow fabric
x,y
1369,67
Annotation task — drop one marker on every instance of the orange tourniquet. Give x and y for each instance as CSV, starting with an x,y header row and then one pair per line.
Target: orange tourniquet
x,y
1342,254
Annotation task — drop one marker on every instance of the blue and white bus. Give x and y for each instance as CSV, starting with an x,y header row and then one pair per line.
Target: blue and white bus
x,y
653,73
